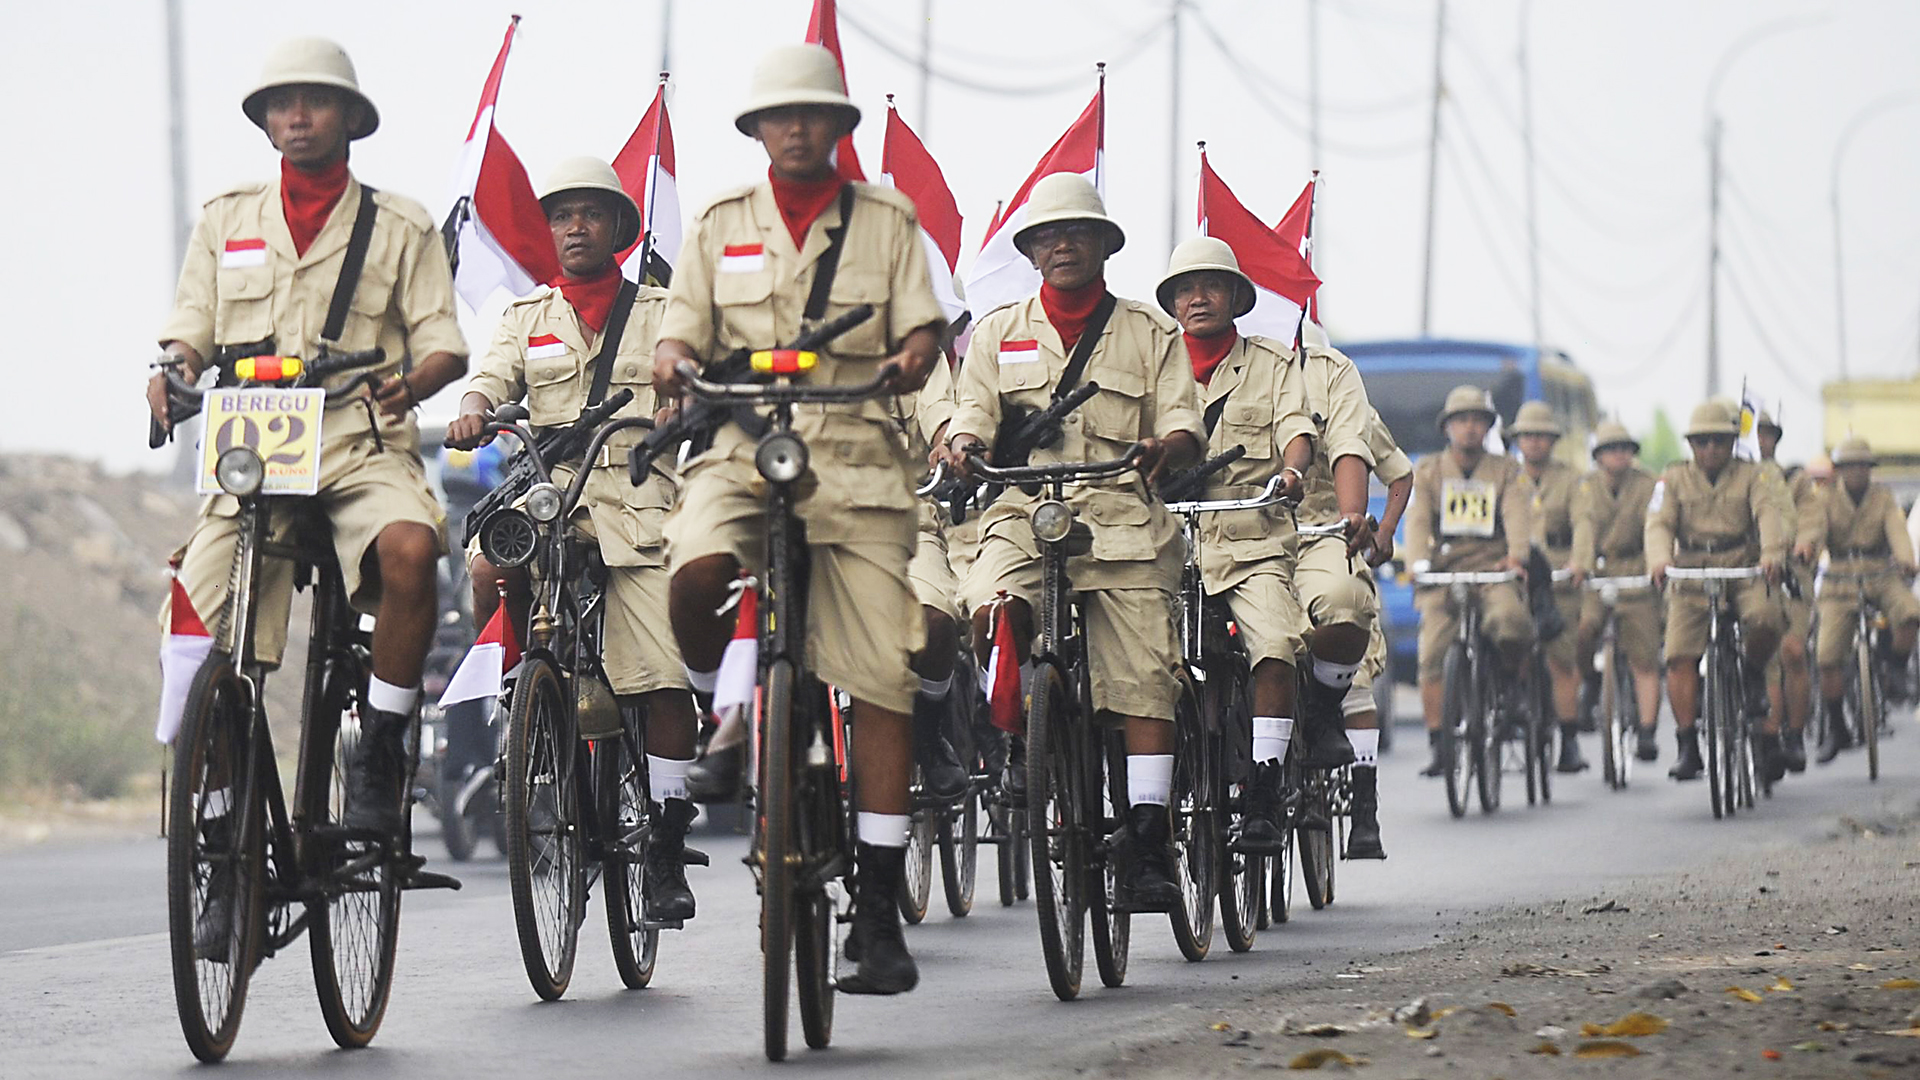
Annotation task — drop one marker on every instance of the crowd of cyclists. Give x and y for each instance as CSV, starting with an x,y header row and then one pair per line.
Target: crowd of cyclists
x,y
869,488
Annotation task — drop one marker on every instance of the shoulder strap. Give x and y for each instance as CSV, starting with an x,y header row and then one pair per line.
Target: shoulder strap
x,y
350,268
1083,349
829,263
1212,415
610,342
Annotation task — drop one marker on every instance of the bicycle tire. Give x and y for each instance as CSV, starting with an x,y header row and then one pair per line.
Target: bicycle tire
x,y
1456,716
1872,704
1316,865
1607,707
1281,863
1714,720
1009,852
544,857
1194,825
1488,731
1243,884
210,996
960,855
625,813
819,828
916,882
777,851
1056,838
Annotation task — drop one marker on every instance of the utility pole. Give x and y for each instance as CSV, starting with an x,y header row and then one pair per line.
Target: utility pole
x,y
1713,257
1173,130
926,63
1533,205
1433,165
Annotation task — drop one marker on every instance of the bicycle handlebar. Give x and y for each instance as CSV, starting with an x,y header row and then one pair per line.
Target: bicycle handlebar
x,y
1193,481
1465,577
1065,471
1629,581
1713,573
1333,528
190,396
1269,496
768,394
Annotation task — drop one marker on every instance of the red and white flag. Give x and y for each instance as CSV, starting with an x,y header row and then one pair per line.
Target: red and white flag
x,y
182,651
740,664
647,172
1000,274
1296,229
496,233
823,29
906,166
483,671
1004,707
1283,283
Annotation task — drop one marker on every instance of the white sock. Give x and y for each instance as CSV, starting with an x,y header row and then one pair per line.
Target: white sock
x,y
389,698
702,681
937,690
1366,745
1149,777
884,830
667,777
1337,676
1271,734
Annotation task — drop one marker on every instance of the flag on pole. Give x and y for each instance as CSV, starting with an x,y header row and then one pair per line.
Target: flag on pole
x,y
740,664
184,648
823,29
1000,274
1283,283
1299,218
496,233
483,671
906,166
1004,707
1753,404
646,168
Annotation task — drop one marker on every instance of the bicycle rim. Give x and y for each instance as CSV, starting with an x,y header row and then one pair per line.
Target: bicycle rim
x,y
1191,812
1055,836
1609,709
1009,852
625,813
1871,705
916,884
1489,737
777,852
818,819
543,830
960,855
1107,806
1713,718
1456,751
1316,865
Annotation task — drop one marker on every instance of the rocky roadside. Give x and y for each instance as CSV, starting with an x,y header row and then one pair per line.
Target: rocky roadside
x,y
1799,961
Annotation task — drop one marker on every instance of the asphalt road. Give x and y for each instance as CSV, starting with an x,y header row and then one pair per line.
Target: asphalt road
x,y
83,953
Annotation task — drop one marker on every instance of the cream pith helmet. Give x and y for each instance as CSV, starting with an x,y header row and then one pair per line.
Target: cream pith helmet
x,y
1766,419
1467,399
1204,253
1066,197
1536,418
591,174
1613,433
309,62
1713,417
1854,450
804,74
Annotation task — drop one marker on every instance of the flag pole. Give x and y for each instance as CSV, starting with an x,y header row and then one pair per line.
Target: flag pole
x,y
653,179
1100,143
1313,211
1202,222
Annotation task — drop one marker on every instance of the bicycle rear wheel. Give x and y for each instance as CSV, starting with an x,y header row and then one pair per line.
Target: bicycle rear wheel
x,y
1009,849
916,884
1456,720
820,827
1107,807
777,854
1488,728
1193,816
1872,704
210,862
960,854
1316,853
626,818
544,853
1056,831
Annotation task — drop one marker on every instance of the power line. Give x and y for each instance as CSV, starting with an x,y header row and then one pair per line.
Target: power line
x,y
1771,350
1140,43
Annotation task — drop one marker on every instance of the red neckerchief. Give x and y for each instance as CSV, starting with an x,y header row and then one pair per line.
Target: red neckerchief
x,y
800,201
592,296
1069,309
1206,353
307,199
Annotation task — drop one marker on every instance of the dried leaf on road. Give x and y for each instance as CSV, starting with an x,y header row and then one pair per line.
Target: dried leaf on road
x,y
1781,985
1633,1024
1743,994
1221,1026
1606,1048
1770,1055
1609,906
1422,1033
1809,1045
1320,1059
1860,967
1900,984
1501,1006
1906,1033
1546,1048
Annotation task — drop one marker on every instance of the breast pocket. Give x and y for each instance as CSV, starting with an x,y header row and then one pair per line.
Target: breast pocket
x,y
852,288
243,308
554,393
743,305
1248,424
1121,527
1025,384
1113,414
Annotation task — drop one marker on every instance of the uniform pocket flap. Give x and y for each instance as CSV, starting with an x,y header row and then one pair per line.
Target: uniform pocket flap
x,y
742,288
1245,525
252,284
1023,376
551,370
856,286
1112,508
1118,381
1249,413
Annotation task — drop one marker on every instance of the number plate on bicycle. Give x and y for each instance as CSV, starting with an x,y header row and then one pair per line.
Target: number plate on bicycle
x,y
281,425
1466,508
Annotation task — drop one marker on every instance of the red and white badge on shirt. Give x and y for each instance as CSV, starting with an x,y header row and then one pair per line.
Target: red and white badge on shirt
x,y
243,253
545,346
742,258
1019,352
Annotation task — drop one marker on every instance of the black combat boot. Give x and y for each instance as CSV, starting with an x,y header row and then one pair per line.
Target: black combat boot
x,y
941,776
1590,702
1261,830
1570,759
715,776
1323,727
1839,736
1773,761
1647,746
1363,833
1689,767
1146,880
876,943
1793,750
375,773
1437,766
669,897
1013,775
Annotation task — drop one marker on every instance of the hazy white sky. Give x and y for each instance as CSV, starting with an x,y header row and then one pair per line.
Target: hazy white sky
x,y
1620,110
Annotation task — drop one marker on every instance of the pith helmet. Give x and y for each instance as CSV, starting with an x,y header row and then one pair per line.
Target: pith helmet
x,y
1536,418
1766,419
803,74
592,174
1713,417
1854,450
309,62
1205,253
1613,433
1467,399
1820,468
1066,197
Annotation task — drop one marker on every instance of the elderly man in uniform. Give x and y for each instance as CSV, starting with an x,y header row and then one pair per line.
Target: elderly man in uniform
x,y
747,272
550,348
1609,539
261,270
1789,689
1715,511
1858,524
1551,482
1017,357
1471,512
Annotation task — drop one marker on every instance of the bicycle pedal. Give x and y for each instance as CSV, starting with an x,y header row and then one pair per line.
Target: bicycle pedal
x,y
662,924
694,857
428,879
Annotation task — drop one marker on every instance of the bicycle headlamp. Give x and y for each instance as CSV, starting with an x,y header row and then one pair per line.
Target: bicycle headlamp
x,y
781,458
508,539
240,471
543,502
1052,520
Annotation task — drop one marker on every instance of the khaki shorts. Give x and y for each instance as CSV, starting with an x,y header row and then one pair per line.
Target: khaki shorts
x,y
1758,610
1503,617
1888,593
1334,590
1638,619
863,622
1563,651
373,491
932,576
1268,615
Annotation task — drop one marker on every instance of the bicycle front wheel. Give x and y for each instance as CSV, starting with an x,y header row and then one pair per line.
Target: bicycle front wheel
x,y
1316,850
1487,728
625,814
1872,704
777,854
1457,718
1194,821
960,854
1716,718
1107,804
1056,832
916,884
543,829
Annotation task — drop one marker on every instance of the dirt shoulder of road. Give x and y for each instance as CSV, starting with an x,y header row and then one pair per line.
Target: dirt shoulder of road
x,y
1791,961
28,823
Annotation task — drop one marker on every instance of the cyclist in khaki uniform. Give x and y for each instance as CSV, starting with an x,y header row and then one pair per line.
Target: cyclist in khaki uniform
x,y
745,274
545,350
1127,581
1789,688
1250,397
1552,481
1609,539
922,417
1471,512
1859,525
1715,511
262,266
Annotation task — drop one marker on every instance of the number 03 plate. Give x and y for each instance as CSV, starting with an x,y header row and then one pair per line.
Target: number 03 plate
x,y
281,425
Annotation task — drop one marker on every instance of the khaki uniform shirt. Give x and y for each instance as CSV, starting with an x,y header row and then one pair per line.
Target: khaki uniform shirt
x,y
1610,526
1859,537
1553,509
919,416
1146,390
1342,420
1737,515
741,283
1469,521
1262,385
542,352
242,282
1390,463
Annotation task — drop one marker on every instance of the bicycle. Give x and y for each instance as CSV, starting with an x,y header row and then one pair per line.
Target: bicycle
x,y
1472,718
1076,767
1732,775
1324,795
1619,698
232,842
1866,678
